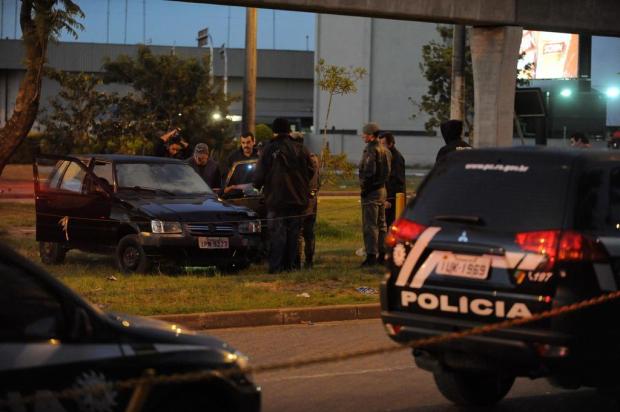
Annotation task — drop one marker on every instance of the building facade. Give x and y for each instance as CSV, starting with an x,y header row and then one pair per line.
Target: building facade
x,y
284,84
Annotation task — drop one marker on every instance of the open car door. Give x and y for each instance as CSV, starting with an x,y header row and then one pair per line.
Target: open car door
x,y
72,205
238,188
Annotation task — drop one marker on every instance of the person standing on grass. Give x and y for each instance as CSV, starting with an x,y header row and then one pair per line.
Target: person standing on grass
x,y
308,222
374,170
283,172
396,182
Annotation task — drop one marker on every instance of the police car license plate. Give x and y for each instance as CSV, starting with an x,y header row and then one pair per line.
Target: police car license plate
x,y
475,267
213,242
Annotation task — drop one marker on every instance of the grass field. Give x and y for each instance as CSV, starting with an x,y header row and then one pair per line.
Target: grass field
x,y
333,280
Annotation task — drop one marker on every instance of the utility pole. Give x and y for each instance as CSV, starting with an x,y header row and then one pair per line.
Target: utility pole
x,y
126,12
457,93
228,28
1,19
15,22
249,85
274,30
107,30
143,21
224,55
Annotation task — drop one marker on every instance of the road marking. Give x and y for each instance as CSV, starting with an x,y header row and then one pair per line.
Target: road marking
x,y
335,374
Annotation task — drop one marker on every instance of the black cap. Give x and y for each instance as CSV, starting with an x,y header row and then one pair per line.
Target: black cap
x,y
280,126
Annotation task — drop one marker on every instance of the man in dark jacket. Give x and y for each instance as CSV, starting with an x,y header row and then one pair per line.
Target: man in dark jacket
x,y
206,167
396,181
246,150
284,171
374,170
308,221
451,132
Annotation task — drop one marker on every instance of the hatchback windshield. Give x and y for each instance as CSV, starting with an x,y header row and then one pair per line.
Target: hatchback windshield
x,y
164,177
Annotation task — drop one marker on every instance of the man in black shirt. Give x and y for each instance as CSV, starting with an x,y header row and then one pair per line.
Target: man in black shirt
x,y
284,172
246,150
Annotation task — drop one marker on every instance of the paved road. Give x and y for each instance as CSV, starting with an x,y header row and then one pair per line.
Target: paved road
x,y
378,383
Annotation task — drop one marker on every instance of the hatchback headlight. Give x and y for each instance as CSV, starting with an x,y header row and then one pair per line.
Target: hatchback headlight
x,y
160,226
250,226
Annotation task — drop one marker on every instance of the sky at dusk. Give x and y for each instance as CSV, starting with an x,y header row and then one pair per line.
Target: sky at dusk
x,y
177,23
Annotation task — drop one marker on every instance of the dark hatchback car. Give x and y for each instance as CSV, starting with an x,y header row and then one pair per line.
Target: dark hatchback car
x,y
500,234
143,209
51,340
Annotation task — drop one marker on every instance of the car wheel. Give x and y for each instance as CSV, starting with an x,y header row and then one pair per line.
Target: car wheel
x,y
52,253
473,388
130,256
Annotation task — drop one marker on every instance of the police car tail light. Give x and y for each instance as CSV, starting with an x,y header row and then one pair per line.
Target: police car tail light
x,y
543,242
404,230
576,246
560,246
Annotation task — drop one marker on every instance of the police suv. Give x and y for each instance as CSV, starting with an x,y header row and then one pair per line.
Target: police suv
x,y
500,234
51,340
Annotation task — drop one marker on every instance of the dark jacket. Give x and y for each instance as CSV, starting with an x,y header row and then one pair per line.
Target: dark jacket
x,y
238,156
161,150
451,147
374,167
210,172
284,171
315,184
396,182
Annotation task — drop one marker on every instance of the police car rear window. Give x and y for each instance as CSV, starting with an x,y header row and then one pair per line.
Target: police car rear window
x,y
504,194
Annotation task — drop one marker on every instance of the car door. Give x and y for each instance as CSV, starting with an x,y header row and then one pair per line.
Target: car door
x,y
238,188
71,205
49,343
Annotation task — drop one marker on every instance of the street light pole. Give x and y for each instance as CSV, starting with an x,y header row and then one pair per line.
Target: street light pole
x,y
224,54
210,60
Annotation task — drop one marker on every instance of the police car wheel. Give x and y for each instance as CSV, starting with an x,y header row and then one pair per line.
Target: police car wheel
x,y
473,388
130,256
52,253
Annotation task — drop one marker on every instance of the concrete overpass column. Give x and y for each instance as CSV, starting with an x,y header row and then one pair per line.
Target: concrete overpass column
x,y
494,53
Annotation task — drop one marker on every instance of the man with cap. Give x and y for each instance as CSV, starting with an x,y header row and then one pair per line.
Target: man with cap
x,y
206,167
284,171
451,132
374,170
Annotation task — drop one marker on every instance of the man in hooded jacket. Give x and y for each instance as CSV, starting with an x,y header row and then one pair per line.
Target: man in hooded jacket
x,y
451,132
284,171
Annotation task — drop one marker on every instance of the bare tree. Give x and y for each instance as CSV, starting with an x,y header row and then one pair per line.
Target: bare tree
x,y
40,21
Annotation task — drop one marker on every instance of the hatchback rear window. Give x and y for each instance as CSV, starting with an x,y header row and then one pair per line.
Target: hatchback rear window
x,y
504,192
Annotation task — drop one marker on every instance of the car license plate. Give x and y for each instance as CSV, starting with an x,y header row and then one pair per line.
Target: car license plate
x,y
475,267
213,242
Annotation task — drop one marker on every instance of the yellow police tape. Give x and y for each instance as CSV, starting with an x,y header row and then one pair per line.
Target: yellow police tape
x,y
74,393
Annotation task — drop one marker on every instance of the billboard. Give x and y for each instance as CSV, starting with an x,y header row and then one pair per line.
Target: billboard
x,y
547,55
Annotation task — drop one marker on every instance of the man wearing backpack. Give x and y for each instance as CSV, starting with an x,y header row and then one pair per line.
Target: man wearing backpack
x,y
284,171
